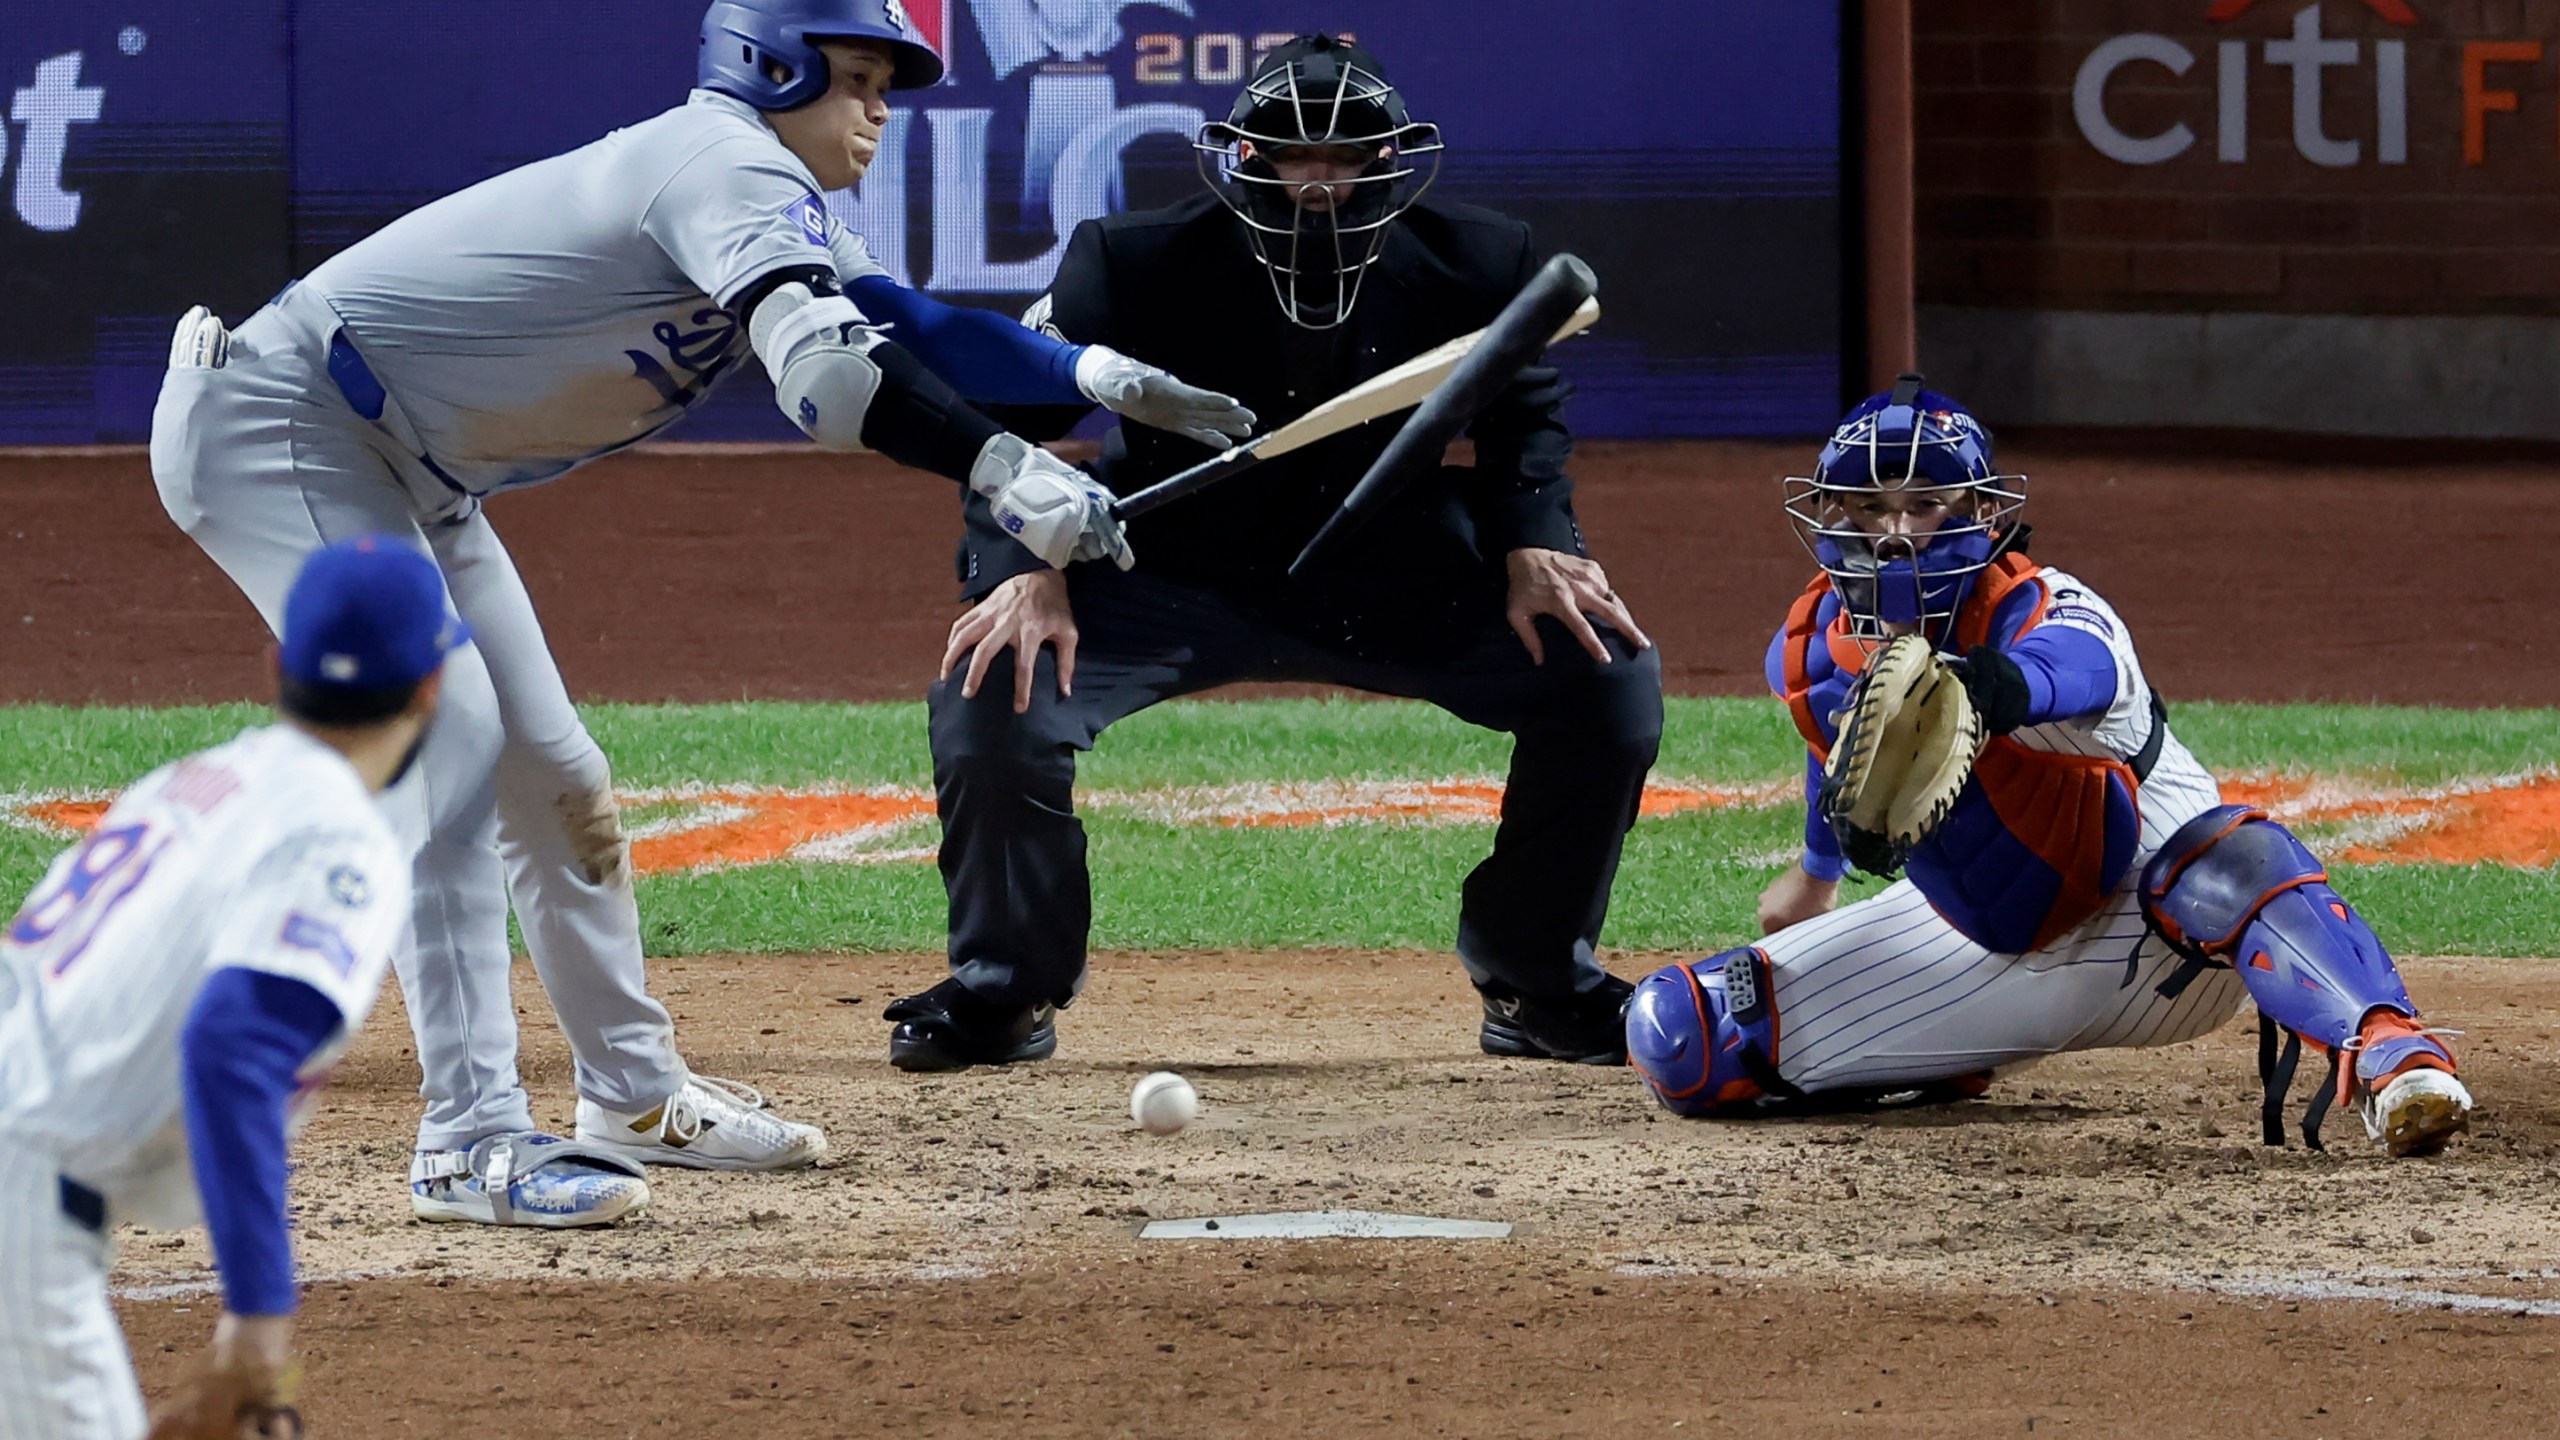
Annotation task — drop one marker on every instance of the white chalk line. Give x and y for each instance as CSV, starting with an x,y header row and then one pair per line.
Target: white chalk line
x,y
211,1286
2409,1290
2313,1286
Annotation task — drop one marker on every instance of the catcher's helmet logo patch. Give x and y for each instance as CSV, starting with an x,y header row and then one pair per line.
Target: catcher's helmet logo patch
x,y
1742,987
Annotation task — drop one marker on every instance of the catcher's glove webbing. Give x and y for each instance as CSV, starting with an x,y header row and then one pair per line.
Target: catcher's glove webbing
x,y
1907,743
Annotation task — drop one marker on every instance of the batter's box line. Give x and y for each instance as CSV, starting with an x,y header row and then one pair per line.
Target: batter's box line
x,y
212,1284
957,1268
2313,1285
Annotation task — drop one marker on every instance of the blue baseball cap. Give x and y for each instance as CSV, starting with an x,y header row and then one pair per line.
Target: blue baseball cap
x,y
367,614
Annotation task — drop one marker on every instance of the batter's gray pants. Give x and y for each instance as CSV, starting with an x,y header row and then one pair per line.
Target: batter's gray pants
x,y
262,462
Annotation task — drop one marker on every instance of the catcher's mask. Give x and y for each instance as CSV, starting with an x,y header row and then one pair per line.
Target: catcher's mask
x,y
1318,91
1909,440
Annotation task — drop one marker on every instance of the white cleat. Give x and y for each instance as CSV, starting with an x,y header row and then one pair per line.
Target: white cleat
x,y
708,1125
2418,1112
526,1178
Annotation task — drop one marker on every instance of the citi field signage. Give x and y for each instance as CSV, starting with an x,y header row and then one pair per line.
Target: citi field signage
x,y
2306,61
44,110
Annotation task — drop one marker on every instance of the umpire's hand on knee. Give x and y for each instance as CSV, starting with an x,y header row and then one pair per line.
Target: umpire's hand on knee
x,y
1022,614
1573,590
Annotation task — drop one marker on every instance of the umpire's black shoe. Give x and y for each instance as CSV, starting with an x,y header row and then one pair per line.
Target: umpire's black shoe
x,y
949,1028
1586,1029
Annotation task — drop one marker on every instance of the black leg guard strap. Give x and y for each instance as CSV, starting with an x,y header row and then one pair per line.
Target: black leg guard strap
x,y
2318,1110
1766,1076
2185,975
2275,1071
2276,1067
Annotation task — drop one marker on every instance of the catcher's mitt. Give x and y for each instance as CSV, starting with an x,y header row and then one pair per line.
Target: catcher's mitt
x,y
1907,742
229,1403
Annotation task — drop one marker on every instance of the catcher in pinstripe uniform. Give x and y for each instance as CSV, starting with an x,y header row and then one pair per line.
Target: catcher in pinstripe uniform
x,y
1979,723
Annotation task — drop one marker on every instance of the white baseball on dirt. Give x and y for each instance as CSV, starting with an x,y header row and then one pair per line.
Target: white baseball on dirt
x,y
1163,1103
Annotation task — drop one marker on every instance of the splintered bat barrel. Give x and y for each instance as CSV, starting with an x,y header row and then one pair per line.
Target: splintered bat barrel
x,y
1400,388
1525,327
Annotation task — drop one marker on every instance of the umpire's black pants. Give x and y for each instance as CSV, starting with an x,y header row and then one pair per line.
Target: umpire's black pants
x,y
1013,852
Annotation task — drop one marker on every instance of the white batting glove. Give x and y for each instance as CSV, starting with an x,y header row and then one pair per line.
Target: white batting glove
x,y
1057,511
1152,397
201,342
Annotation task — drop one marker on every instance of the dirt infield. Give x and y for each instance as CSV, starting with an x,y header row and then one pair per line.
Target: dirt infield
x,y
2100,1248
690,576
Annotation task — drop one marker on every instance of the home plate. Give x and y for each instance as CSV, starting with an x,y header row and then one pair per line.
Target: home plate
x,y
1324,1225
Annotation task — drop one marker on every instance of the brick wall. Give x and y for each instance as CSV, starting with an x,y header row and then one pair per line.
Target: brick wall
x,y
2019,208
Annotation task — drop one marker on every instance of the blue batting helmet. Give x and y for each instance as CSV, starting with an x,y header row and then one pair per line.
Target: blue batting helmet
x,y
1909,439
765,51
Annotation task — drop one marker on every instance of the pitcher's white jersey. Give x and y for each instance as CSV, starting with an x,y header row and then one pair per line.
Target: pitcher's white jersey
x,y
573,306
266,853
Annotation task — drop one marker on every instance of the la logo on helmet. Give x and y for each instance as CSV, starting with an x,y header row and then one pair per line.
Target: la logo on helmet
x,y
897,13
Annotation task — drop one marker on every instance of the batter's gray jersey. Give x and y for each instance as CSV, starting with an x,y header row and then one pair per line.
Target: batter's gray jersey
x,y
563,310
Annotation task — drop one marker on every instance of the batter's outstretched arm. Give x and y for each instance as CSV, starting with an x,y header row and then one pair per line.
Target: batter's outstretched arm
x,y
994,361
840,379
848,388
987,357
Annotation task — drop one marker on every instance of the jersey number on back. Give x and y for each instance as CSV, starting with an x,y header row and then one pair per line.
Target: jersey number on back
x,y
67,913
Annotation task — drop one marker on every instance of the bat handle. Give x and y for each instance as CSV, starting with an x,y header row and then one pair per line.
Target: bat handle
x,y
1174,487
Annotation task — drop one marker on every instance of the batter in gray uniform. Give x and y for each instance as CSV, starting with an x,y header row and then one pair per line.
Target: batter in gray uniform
x,y
500,338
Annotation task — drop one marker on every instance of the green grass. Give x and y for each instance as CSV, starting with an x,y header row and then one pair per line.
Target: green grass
x,y
1688,882
2417,746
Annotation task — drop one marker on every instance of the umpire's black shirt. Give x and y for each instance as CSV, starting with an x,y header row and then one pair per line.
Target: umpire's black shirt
x,y
1179,288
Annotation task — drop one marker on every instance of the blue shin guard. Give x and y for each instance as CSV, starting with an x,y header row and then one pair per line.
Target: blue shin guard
x,y
2235,888
1705,1036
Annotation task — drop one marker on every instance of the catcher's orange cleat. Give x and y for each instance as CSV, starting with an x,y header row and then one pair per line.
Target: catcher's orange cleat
x,y
2404,1076
2384,1034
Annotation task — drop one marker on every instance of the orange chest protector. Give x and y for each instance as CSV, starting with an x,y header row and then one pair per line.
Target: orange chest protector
x,y
2038,840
